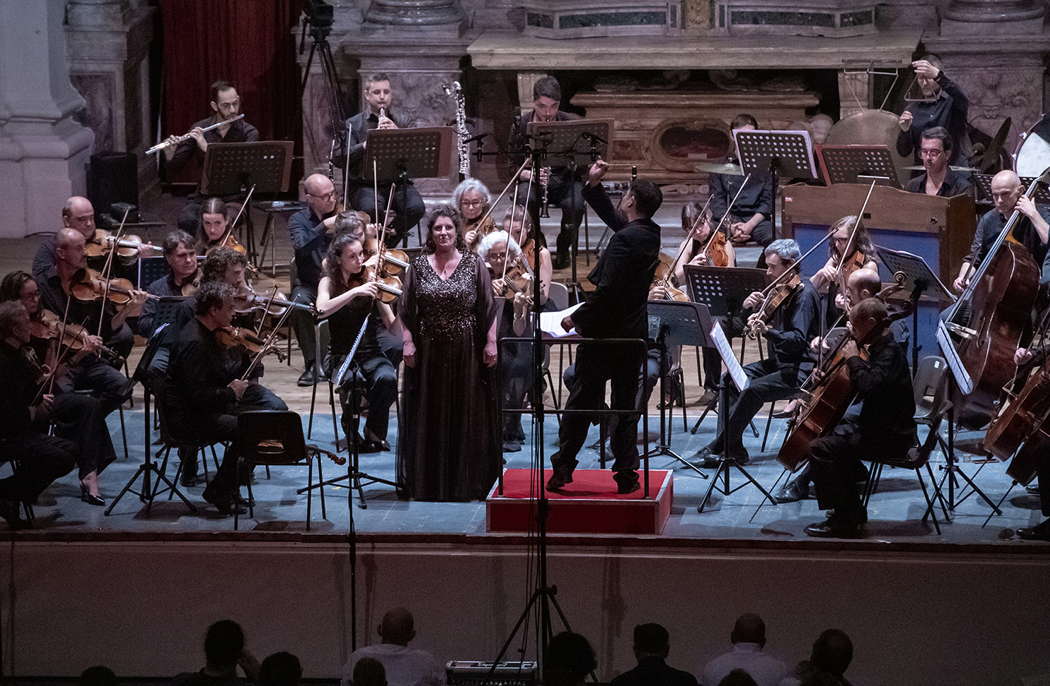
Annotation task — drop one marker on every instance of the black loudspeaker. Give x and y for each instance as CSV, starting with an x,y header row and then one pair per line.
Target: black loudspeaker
x,y
112,178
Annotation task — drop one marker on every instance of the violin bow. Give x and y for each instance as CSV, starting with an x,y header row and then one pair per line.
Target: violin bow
x,y
796,265
229,229
848,250
722,221
513,181
107,269
269,301
267,345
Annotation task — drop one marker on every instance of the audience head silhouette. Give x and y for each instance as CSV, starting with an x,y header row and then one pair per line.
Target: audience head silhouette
x,y
651,639
737,677
832,652
397,627
280,669
223,645
98,676
369,672
569,659
749,628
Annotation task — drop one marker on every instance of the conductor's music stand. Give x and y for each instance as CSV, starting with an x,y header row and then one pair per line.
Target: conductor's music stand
x,y
722,290
857,164
914,274
677,323
400,155
233,168
776,153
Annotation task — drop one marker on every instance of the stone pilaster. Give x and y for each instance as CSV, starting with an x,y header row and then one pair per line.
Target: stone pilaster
x,y
43,150
414,14
108,59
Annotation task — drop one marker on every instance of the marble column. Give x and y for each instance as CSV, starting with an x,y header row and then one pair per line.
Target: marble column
x,y
109,64
414,13
43,149
996,51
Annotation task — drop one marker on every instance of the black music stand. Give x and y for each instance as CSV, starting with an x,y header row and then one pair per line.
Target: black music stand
x,y
400,155
677,323
857,164
916,278
777,154
983,184
573,144
722,290
233,168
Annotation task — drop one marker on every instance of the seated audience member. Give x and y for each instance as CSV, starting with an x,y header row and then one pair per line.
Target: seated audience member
x,y
569,660
404,666
99,675
831,655
737,677
369,672
280,669
651,647
748,653
223,651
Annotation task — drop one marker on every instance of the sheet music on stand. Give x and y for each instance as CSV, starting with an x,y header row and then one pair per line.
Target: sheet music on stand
x,y
575,140
423,153
788,153
857,164
983,183
690,323
231,168
917,273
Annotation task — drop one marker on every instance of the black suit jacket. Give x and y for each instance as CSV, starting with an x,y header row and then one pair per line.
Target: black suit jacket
x,y
653,671
196,388
623,274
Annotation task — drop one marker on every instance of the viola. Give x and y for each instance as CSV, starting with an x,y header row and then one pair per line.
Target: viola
x,y
89,286
716,251
47,326
237,337
775,296
128,249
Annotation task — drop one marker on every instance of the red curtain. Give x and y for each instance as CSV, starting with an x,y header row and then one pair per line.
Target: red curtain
x,y
247,42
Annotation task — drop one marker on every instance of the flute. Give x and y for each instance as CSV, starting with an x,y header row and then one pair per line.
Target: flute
x,y
168,142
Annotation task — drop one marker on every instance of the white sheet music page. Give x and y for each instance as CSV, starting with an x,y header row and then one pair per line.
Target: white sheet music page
x,y
550,322
725,350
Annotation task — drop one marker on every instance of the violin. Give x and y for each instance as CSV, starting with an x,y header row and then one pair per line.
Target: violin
x,y
663,275
716,251
128,248
236,337
48,326
775,296
89,286
247,300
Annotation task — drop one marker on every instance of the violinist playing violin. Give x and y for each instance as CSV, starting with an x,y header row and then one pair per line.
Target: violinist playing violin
x,y
213,224
1027,361
698,235
473,200
345,296
828,279
519,226
182,279
77,214
23,433
78,417
788,331
880,422
516,364
311,232
203,395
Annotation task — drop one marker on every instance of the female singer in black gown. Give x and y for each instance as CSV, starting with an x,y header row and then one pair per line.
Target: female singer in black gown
x,y
345,297
448,446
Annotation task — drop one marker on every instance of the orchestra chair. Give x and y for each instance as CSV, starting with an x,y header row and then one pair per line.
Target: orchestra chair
x,y
931,402
275,439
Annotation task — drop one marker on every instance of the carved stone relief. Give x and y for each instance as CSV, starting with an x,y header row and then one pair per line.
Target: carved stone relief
x,y
999,92
97,91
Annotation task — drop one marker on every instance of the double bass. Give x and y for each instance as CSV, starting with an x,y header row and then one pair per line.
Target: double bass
x,y
1023,423
985,324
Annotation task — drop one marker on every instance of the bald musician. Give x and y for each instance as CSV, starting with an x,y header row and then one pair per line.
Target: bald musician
x,y
938,178
1031,231
77,214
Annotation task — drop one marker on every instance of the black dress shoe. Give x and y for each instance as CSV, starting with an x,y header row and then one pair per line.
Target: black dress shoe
x,y
225,504
830,528
1032,490
9,510
792,492
627,483
558,479
188,480
307,378
366,446
1039,532
85,496
511,447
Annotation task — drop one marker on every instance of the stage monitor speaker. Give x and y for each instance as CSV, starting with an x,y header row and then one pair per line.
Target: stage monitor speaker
x,y
112,178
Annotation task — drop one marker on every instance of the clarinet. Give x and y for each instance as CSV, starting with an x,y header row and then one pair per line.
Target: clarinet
x,y
455,90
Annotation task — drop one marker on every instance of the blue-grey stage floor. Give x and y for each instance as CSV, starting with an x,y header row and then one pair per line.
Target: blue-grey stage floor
x,y
895,511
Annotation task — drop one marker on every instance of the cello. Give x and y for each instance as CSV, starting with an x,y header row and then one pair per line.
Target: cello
x,y
982,329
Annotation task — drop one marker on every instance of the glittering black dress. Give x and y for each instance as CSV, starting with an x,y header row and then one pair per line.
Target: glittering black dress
x,y
447,446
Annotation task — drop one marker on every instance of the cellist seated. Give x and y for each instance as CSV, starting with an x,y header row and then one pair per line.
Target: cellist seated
x,y
788,331
881,423
1028,360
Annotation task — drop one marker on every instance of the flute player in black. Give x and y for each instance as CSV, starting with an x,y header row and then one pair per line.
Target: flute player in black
x,y
616,309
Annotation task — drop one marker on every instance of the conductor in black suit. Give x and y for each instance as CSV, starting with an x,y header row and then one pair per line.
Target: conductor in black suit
x,y
616,309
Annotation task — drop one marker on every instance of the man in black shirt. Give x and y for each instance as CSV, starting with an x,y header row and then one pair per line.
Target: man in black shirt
x,y
563,188
181,256
23,433
1029,361
1031,231
616,309
652,644
788,361
408,204
749,218
947,108
883,425
939,178
225,105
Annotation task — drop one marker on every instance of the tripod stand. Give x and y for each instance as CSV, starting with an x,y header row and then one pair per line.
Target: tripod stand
x,y
319,17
